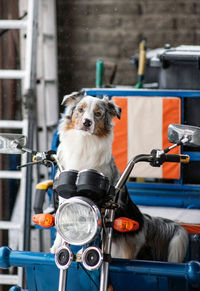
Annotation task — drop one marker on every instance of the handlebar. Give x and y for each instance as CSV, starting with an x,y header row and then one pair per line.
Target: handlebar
x,y
156,159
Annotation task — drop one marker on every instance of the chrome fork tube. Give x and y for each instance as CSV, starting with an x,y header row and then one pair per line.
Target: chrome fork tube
x,y
62,280
107,241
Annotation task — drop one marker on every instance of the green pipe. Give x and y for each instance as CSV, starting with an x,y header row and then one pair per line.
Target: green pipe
x,y
99,73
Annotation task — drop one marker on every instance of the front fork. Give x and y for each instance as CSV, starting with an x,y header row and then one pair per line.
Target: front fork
x,y
62,280
107,235
106,249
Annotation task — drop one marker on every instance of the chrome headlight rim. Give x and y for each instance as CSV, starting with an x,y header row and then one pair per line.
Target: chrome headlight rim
x,y
96,217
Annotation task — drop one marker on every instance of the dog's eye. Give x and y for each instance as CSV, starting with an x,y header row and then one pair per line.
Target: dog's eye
x,y
80,109
97,114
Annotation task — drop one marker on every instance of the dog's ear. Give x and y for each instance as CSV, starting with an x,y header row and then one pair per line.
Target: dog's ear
x,y
74,97
112,107
70,101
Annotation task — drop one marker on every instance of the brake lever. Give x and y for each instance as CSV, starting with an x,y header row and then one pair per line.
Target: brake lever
x,y
44,162
44,158
28,164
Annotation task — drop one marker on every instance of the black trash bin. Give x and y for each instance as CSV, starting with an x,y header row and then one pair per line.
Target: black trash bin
x,y
180,68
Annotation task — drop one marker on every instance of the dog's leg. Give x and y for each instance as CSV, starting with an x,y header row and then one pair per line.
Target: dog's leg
x,y
57,244
128,246
178,246
58,240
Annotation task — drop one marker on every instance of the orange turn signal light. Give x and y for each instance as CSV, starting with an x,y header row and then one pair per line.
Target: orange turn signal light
x,y
44,219
191,228
124,224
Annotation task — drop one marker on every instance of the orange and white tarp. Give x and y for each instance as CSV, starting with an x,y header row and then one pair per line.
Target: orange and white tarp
x,y
143,127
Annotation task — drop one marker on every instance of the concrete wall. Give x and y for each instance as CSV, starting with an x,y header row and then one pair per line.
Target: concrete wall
x,y
112,29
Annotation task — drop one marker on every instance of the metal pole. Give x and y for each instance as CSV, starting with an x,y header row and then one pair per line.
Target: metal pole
x,y
29,107
62,280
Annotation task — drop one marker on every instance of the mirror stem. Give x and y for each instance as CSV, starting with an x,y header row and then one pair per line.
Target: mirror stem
x,y
171,147
184,140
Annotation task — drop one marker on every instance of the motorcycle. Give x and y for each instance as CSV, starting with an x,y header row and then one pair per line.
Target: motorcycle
x,y
80,220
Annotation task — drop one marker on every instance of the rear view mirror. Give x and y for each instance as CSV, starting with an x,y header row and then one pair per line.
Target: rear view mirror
x,y
11,143
186,134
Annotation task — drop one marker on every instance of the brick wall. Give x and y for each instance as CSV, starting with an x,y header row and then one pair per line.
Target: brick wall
x,y
111,29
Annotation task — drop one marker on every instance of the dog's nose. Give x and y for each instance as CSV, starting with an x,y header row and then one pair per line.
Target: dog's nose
x,y
87,122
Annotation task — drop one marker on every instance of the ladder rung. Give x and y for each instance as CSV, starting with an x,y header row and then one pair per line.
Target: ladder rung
x,y
9,225
12,74
10,174
14,124
9,279
13,24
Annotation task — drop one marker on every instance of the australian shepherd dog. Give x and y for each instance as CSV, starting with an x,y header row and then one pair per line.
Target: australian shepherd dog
x,y
86,134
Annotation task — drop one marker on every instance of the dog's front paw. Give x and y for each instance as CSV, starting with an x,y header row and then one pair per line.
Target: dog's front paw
x,y
53,249
57,244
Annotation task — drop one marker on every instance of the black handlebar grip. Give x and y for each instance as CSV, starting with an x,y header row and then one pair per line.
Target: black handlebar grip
x,y
172,158
177,158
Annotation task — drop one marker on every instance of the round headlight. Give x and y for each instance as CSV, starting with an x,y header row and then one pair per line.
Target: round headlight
x,y
78,220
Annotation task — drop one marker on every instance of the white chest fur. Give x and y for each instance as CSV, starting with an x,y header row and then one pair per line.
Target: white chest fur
x,y
79,150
